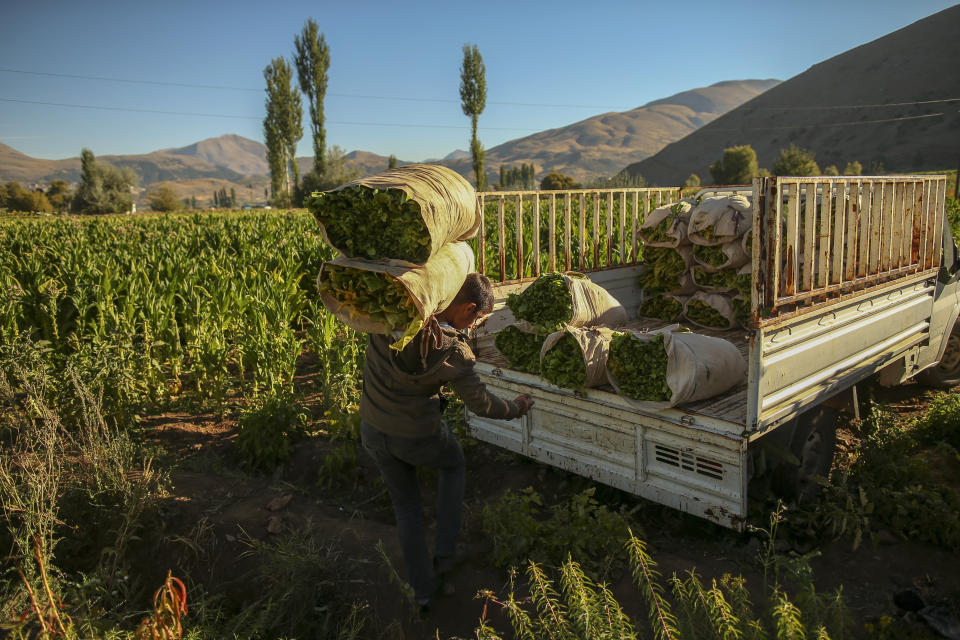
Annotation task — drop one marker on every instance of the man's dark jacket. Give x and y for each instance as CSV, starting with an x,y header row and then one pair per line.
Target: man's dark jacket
x,y
402,397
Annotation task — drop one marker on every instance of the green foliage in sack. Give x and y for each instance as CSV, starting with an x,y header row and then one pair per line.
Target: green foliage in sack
x,y
370,293
546,303
662,307
266,433
563,364
712,254
522,350
724,279
662,232
664,268
523,529
639,366
372,223
703,314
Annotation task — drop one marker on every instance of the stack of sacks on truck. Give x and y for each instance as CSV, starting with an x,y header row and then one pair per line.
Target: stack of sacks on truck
x,y
559,329
667,257
720,232
696,269
402,237
672,366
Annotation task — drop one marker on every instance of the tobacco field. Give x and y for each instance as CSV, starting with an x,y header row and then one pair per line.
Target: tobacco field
x,y
180,458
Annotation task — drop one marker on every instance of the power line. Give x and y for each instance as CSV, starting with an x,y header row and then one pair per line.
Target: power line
x,y
338,95
862,106
224,115
831,124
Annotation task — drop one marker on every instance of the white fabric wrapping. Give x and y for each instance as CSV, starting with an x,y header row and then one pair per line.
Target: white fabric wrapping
x,y
678,229
594,346
592,304
719,302
698,367
432,286
729,217
448,203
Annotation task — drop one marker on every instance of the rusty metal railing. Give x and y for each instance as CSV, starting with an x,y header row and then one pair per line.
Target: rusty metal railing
x,y
580,229
832,237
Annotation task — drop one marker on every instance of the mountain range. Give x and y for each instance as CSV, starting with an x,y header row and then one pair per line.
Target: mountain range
x,y
892,104
597,146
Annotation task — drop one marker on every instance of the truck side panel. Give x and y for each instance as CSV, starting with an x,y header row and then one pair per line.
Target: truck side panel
x,y
698,472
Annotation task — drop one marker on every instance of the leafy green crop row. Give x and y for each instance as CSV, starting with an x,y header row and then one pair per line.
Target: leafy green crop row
x,y
364,222
663,307
546,303
371,293
639,366
202,304
563,364
521,349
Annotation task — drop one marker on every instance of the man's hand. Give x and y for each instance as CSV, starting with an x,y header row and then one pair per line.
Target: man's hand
x,y
524,401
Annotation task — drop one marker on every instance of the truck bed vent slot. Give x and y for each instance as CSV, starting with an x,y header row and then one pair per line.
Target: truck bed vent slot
x,y
687,461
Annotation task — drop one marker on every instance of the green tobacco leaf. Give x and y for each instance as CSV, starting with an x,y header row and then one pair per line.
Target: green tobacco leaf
x,y
639,367
703,314
563,364
373,294
662,307
522,350
364,222
546,303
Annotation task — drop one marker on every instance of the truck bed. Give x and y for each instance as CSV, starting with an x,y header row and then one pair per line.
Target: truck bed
x,y
730,406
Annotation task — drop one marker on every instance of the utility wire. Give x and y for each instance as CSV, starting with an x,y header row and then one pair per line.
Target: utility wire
x,y
338,95
238,117
826,124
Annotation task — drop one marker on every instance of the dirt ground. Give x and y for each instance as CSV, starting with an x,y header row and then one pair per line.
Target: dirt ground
x,y
211,499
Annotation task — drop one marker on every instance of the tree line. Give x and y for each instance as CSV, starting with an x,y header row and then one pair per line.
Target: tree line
x,y
738,165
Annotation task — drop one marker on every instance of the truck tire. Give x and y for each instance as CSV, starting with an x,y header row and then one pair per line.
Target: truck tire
x,y
814,442
946,373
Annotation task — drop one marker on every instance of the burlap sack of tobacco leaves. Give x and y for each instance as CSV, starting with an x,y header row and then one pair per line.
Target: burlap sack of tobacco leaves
x,y
391,297
666,226
667,307
556,299
717,257
720,219
576,358
710,310
667,270
665,368
520,344
408,213
727,281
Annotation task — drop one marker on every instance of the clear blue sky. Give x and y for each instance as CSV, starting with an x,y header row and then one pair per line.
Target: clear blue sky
x,y
394,71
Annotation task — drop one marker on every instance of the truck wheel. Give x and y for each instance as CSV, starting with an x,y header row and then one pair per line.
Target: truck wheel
x,y
814,442
946,373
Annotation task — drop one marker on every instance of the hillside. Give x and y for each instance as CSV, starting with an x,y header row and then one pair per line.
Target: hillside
x,y
601,145
604,144
159,166
890,102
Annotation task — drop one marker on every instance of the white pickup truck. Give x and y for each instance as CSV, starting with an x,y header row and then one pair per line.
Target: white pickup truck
x,y
882,297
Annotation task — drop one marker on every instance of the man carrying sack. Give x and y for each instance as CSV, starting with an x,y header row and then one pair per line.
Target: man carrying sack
x,y
402,426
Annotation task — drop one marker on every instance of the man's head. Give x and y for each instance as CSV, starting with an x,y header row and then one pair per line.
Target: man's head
x,y
473,301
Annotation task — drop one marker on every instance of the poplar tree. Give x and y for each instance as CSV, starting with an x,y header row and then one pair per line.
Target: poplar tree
x,y
473,100
282,129
313,60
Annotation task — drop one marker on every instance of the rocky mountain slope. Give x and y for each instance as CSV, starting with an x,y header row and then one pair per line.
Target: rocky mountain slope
x,y
892,104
